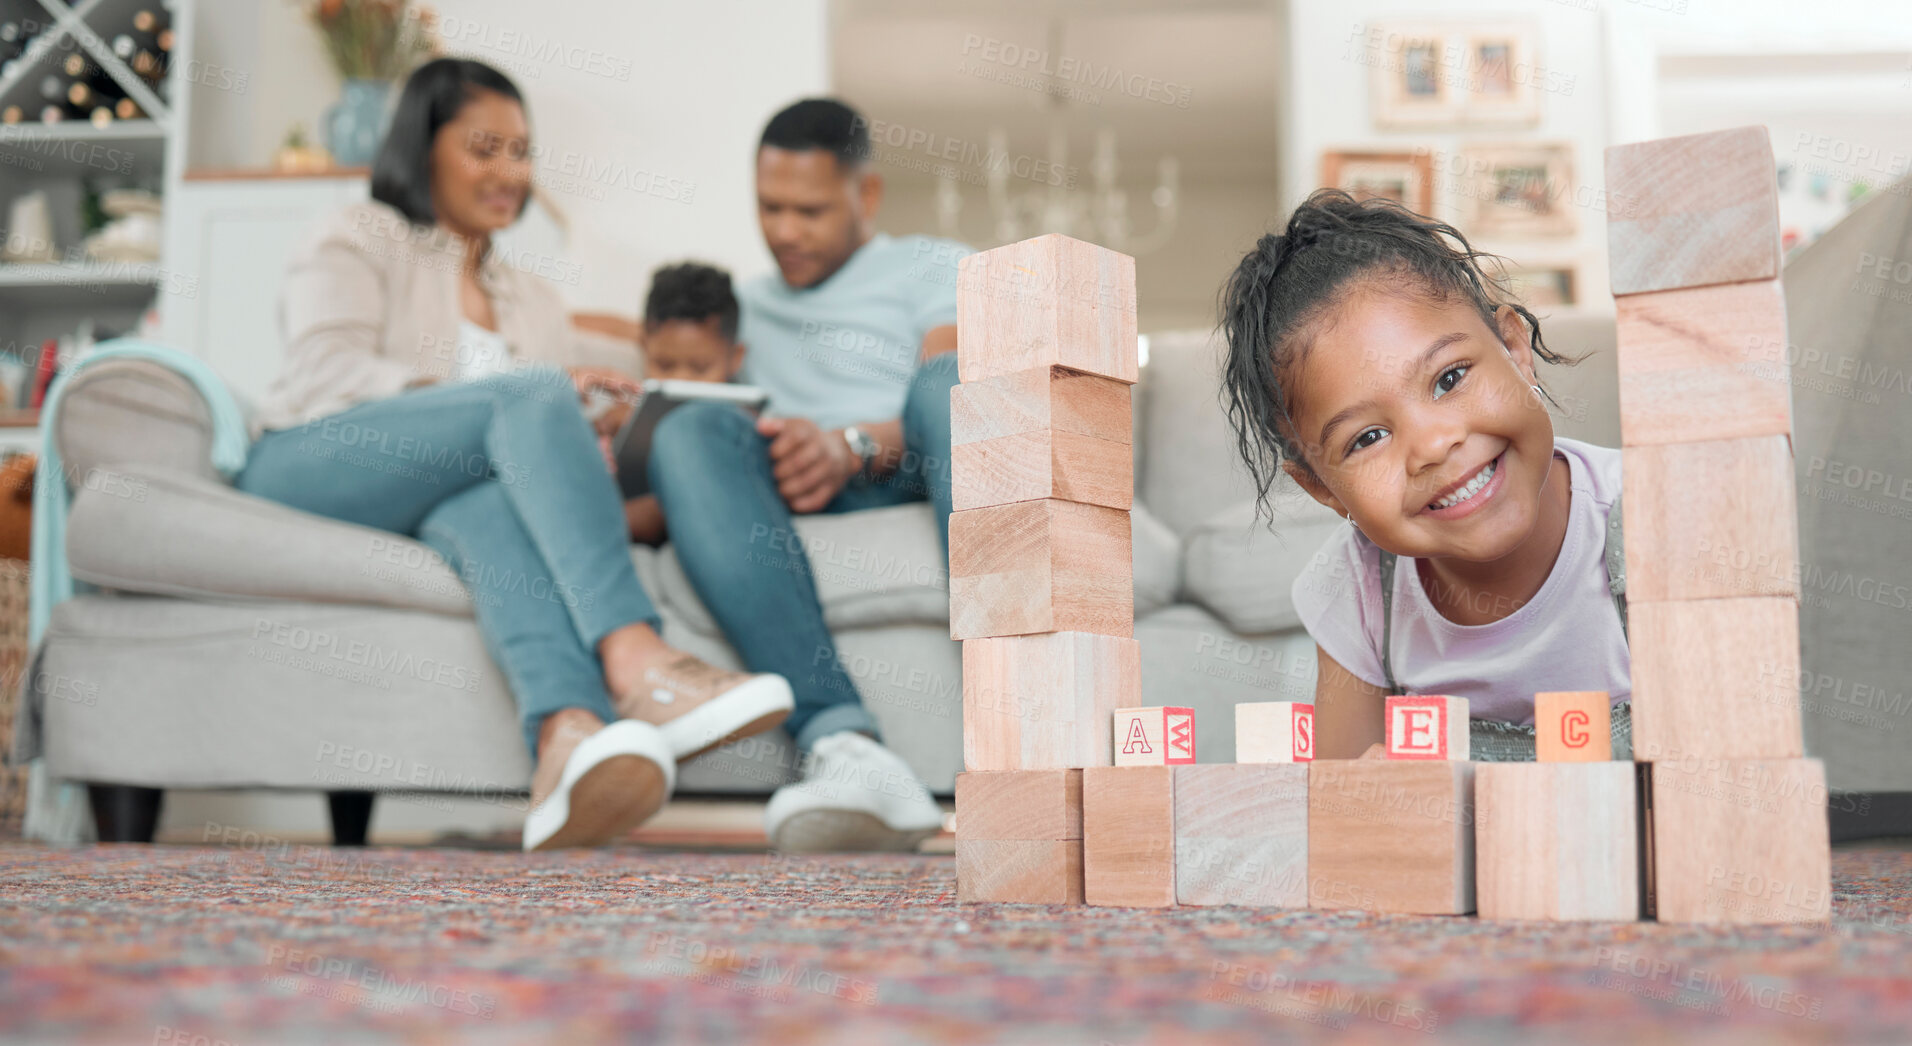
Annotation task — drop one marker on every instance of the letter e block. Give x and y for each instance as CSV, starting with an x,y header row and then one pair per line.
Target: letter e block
x,y
1154,736
1427,727
1573,726
1274,732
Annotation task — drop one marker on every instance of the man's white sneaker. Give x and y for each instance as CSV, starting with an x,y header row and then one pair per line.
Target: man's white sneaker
x,y
855,795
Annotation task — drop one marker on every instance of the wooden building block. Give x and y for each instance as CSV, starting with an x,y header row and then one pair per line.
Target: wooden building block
x,y
1715,678
1423,726
1704,363
1019,837
1557,840
1045,700
1712,520
1397,835
1042,464
1241,834
1050,300
1128,836
1740,841
1274,732
1692,211
1019,804
1155,736
1040,566
1041,399
1573,726
1019,871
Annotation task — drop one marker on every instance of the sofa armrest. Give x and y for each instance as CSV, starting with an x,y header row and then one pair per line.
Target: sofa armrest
x,y
122,412
165,532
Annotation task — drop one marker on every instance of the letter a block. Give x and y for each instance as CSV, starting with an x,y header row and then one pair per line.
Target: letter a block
x,y
1692,211
1043,433
1573,727
1557,840
1274,732
1019,837
1040,566
1128,836
1241,834
1427,727
1045,701
1051,300
1741,841
1391,836
1154,736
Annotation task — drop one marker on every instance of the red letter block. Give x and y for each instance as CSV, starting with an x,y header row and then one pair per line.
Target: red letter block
x,y
1154,736
1427,727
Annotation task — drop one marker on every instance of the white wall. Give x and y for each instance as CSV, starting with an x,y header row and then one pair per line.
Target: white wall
x,y
646,113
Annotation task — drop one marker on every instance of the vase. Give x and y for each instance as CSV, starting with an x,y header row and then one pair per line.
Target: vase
x,y
354,127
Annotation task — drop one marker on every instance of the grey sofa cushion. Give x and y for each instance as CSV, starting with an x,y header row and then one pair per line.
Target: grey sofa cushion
x,y
162,531
1234,566
1191,470
127,411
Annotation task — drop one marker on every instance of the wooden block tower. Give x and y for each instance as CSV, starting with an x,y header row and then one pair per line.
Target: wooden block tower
x,y
1041,580
1737,829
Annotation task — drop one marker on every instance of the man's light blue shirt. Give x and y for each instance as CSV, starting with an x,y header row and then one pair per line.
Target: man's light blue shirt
x,y
842,352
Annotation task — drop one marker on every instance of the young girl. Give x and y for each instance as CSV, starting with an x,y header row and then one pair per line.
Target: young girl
x,y
1373,359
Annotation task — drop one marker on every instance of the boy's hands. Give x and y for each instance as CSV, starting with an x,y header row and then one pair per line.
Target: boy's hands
x,y
810,464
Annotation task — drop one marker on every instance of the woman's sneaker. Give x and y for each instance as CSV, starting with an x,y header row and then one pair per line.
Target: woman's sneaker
x,y
593,785
699,706
855,795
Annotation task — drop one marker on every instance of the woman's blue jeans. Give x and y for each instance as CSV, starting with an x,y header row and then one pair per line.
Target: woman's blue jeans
x,y
502,477
731,529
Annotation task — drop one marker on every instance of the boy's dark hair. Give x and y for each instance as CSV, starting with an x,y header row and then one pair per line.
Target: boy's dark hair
x,y
820,123
1270,302
694,292
433,95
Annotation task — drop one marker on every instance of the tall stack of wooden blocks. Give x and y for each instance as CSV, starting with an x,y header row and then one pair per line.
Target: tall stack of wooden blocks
x,y
1040,572
1737,819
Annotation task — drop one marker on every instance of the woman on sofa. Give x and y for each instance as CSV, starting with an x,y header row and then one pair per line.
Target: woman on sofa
x,y
422,393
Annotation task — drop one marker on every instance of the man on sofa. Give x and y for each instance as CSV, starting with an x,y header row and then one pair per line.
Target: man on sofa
x,y
854,339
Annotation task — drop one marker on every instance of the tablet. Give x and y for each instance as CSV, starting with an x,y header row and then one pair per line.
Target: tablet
x,y
632,446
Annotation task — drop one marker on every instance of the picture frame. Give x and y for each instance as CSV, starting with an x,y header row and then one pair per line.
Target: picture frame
x,y
1405,177
1425,75
1518,190
1544,287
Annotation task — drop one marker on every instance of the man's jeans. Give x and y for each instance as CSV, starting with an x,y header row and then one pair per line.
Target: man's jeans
x,y
712,473
502,477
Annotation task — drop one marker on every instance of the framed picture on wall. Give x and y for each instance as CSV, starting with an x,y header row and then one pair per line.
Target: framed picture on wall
x,y
1543,287
1453,75
1519,190
1406,178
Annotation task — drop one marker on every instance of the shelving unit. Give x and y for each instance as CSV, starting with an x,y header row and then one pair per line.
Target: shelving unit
x,y
45,300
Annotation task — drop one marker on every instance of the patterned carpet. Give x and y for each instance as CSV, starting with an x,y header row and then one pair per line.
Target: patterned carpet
x,y
192,945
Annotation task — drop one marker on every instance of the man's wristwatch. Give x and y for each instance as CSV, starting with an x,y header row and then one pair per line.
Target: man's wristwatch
x,y
865,447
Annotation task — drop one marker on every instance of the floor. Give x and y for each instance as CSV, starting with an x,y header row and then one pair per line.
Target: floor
x,y
255,941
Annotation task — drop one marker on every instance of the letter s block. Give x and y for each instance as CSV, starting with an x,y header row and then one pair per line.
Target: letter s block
x,y
1427,727
1274,732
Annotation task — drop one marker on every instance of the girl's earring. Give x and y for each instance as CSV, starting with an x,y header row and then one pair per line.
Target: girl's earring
x,y
1539,397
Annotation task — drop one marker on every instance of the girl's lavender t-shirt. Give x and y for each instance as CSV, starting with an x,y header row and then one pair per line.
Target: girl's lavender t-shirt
x,y
1567,637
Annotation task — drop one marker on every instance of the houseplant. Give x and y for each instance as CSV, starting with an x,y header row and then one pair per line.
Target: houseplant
x,y
372,44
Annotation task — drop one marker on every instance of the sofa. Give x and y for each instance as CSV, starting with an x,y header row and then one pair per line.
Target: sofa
x,y
223,641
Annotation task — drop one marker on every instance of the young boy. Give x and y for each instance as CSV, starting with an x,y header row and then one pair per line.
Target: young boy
x,y
689,334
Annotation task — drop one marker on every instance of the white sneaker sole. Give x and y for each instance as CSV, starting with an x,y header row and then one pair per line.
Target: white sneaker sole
x,y
610,785
844,831
749,708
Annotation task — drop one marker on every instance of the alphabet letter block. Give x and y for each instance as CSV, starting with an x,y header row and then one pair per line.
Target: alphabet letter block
x,y
1046,301
1128,836
1019,837
1427,727
1391,836
1557,840
1715,678
1704,363
1045,700
1274,732
1741,841
1241,834
1154,736
1573,727
1711,520
1040,566
1692,211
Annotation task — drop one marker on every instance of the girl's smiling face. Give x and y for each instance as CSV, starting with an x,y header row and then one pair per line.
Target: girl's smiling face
x,y
1418,421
